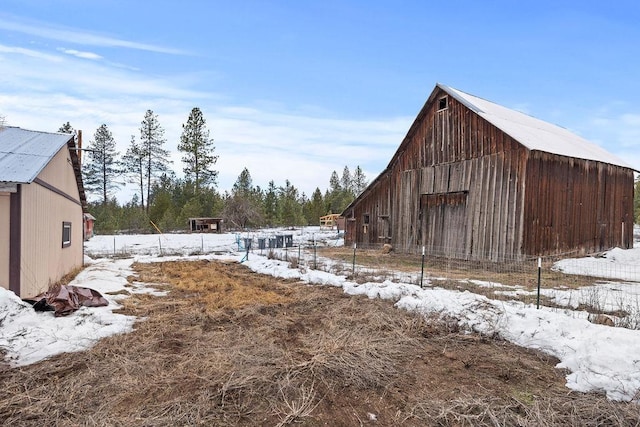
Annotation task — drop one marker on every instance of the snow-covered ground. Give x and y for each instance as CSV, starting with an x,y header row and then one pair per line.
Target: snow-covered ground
x,y
597,357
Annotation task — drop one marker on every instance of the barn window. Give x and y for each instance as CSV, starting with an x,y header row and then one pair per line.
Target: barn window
x,y
365,219
442,103
66,234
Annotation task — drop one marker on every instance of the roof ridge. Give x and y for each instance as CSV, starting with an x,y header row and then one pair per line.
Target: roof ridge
x,y
534,133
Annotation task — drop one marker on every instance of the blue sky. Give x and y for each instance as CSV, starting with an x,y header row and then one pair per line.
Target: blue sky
x,y
296,89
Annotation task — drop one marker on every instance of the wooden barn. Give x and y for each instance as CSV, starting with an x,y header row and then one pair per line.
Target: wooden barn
x,y
476,180
42,201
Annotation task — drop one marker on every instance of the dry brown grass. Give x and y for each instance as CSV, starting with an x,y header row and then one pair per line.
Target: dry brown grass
x,y
215,291
284,353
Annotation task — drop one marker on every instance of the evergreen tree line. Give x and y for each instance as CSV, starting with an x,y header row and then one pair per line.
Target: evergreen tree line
x,y
163,202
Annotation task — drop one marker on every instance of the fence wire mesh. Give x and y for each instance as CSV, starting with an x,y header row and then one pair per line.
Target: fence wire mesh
x,y
595,285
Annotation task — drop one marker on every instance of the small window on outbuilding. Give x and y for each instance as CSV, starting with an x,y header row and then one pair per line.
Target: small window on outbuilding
x,y
365,219
443,103
66,234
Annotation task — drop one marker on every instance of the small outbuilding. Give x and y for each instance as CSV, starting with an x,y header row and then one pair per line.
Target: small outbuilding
x,y
475,180
205,225
89,221
42,201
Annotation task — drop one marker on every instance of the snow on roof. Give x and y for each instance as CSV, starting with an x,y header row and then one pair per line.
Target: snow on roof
x,y
24,153
533,133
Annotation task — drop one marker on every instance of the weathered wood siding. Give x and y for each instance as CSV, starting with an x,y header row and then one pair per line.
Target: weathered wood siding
x,y
453,186
377,208
463,188
576,205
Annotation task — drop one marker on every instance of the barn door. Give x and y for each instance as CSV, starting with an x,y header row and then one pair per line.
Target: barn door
x,y
444,223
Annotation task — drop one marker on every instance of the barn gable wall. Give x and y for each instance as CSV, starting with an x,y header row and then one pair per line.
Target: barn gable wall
x,y
451,187
461,187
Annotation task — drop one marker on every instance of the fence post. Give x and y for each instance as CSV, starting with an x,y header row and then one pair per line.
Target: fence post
x,y
315,262
202,244
353,263
422,269
539,270
160,244
114,246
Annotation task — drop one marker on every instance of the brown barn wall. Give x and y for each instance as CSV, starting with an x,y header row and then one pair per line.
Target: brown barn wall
x,y
453,151
575,205
457,186
378,209
449,152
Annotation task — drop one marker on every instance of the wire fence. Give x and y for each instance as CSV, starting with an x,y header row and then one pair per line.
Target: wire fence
x,y
577,283
584,287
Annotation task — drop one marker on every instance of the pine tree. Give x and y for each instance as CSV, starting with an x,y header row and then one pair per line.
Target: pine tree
x,y
102,169
340,192
162,209
358,182
151,142
334,193
66,128
271,205
345,182
334,183
133,166
243,185
198,150
316,208
291,207
243,206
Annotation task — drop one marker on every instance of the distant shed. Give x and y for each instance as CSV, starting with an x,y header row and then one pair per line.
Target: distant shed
x,y
42,201
205,225
476,180
89,221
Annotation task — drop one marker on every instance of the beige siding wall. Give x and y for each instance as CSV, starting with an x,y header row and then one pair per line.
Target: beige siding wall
x,y
44,260
59,173
4,240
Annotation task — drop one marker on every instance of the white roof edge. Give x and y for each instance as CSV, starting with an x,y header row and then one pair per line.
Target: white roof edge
x,y
27,157
454,92
535,134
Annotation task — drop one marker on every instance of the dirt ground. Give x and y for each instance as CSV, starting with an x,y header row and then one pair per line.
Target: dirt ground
x,y
229,347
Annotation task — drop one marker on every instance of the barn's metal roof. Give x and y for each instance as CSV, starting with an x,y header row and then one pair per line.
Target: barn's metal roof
x,y
24,153
535,134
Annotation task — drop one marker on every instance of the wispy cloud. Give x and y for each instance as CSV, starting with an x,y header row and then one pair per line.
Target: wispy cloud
x,y
29,53
80,54
274,143
80,37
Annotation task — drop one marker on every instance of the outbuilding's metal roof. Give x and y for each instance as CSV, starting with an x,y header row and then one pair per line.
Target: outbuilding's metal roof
x,y
24,153
535,134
